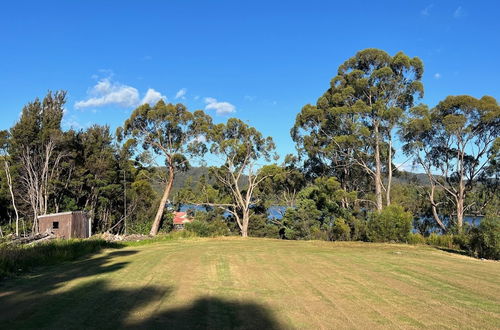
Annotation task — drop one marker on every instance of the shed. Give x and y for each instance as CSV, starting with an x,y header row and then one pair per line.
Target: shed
x,y
66,224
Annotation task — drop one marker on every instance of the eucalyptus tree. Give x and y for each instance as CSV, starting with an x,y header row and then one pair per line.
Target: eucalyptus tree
x,y
35,149
172,132
240,147
454,143
282,183
4,146
354,121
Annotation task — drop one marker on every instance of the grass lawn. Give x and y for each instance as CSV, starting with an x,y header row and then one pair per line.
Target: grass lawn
x,y
258,283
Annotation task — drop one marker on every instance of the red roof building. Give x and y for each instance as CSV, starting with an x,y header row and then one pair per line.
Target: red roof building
x,y
180,219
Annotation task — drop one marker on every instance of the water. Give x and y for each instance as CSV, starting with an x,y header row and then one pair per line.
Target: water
x,y
277,212
274,212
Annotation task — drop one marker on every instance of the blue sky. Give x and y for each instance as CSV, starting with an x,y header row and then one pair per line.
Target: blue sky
x,y
260,61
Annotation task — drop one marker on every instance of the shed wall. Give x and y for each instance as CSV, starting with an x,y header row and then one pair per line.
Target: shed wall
x,y
79,225
46,224
71,225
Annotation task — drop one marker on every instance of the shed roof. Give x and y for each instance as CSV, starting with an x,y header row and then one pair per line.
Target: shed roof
x,y
58,214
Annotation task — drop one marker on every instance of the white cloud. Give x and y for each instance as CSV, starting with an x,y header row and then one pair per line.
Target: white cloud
x,y
221,108
437,75
106,92
459,12
427,10
196,97
181,94
109,92
152,97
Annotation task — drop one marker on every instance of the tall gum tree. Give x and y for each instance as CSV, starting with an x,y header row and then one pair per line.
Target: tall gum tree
x,y
355,120
454,143
35,148
240,147
172,132
282,184
4,146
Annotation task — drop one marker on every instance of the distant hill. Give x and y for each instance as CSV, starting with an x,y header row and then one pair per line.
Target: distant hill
x,y
410,177
197,172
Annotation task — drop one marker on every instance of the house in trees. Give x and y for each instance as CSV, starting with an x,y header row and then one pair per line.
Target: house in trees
x,y
66,224
180,219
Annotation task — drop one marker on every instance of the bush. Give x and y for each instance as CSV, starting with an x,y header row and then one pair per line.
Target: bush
x,y
259,226
392,224
445,241
208,229
200,228
358,228
460,240
341,230
416,239
485,240
142,228
317,233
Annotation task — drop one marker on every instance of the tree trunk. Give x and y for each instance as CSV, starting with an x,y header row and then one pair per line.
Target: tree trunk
x,y
156,224
389,175
9,183
461,190
434,209
378,170
460,212
437,219
244,227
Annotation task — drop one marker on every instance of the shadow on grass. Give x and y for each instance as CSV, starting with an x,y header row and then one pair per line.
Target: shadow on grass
x,y
49,300
460,252
212,313
20,259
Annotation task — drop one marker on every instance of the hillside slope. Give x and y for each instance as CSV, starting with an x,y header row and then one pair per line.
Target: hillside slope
x,y
195,173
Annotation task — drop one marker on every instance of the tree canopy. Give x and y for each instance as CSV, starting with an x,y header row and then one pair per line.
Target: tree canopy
x,y
172,132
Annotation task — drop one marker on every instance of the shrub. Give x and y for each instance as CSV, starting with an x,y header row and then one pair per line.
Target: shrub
x,y
341,230
208,229
317,233
172,236
445,241
358,228
200,228
259,226
290,234
485,240
142,227
392,224
416,239
460,240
